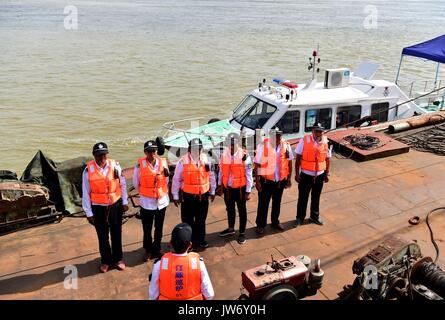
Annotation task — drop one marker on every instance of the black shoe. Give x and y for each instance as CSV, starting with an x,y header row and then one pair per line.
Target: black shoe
x,y
316,221
226,232
278,226
259,230
241,238
298,223
204,244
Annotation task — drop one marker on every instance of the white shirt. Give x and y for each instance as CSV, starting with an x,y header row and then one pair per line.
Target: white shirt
x,y
146,202
86,189
206,284
259,155
299,151
178,178
247,166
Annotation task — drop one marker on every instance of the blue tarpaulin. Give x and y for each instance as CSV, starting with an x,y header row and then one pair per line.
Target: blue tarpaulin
x,y
433,49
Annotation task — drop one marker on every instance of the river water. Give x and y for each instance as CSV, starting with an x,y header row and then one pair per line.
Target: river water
x,y
131,66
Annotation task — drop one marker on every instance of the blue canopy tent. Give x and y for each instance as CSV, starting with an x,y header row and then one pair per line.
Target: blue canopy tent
x,y
433,50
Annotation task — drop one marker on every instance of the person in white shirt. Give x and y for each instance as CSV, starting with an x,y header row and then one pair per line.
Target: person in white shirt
x,y
195,178
273,172
235,182
150,179
180,275
313,158
104,199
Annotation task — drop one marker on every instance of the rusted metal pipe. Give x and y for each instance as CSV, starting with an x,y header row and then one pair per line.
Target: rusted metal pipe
x,y
416,123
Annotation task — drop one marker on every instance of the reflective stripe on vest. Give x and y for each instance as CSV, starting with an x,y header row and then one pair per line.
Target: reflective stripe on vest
x,y
234,168
104,189
314,158
196,178
152,184
269,161
180,277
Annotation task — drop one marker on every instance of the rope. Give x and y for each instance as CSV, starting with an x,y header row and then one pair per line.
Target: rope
x,y
436,247
363,141
430,140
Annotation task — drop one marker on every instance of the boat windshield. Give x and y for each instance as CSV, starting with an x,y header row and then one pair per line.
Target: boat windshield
x,y
253,113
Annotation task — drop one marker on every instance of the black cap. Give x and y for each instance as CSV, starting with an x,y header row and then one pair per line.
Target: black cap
x,y
150,145
181,236
100,148
232,137
195,142
317,127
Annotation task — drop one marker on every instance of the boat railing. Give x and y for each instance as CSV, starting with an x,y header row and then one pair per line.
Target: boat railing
x,y
172,125
415,88
188,127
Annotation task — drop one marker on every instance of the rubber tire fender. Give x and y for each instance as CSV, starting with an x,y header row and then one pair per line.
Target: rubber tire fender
x,y
161,145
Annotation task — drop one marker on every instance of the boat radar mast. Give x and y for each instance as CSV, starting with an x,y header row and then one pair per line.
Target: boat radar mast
x,y
314,61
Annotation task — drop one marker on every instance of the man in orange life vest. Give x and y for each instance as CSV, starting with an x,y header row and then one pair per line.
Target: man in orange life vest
x,y
104,199
180,275
313,157
150,179
194,175
235,181
273,171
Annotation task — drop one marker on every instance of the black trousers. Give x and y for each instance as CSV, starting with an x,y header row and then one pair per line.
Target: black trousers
x,y
308,185
236,196
274,190
147,217
108,222
194,209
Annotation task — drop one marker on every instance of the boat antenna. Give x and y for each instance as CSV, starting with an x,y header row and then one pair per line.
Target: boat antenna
x,y
314,61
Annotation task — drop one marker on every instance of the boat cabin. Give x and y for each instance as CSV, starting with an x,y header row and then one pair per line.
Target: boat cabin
x,y
343,99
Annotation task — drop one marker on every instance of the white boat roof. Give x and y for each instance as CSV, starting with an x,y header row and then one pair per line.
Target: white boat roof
x,y
320,95
316,94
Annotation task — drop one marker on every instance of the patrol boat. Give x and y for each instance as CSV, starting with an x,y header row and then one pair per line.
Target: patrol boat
x,y
343,99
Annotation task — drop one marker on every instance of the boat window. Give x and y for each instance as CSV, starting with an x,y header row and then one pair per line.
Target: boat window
x,y
347,114
323,116
253,113
290,122
245,105
379,111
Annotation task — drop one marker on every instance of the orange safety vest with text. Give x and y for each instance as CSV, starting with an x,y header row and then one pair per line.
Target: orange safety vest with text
x,y
152,184
104,189
314,158
269,163
180,277
196,177
235,168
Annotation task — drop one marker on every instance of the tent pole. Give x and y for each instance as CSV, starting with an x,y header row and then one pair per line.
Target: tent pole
x,y
437,74
398,71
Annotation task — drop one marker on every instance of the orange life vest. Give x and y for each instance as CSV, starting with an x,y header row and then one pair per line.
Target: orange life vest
x,y
269,163
196,178
104,189
314,158
180,277
152,184
235,168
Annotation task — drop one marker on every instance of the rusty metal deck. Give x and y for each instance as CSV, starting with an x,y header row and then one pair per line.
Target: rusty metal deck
x,y
363,203
388,146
